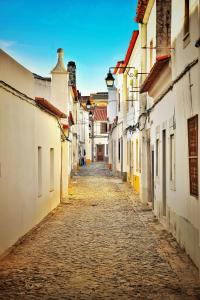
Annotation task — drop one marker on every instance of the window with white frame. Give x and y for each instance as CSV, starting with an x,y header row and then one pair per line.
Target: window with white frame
x,y
157,157
103,128
51,169
172,158
193,155
39,171
119,101
106,149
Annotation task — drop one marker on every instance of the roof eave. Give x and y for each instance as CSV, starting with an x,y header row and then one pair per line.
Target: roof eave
x,y
155,70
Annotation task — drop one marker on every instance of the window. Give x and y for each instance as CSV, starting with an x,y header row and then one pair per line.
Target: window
x,y
119,104
128,149
39,171
157,157
151,54
103,128
51,169
172,158
187,18
119,152
193,154
106,149
137,157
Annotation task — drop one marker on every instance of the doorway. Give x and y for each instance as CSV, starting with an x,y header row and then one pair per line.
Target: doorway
x,y
164,171
100,152
114,156
150,169
152,178
121,144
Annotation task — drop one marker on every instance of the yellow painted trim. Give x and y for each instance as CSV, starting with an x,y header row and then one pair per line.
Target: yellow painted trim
x,y
136,183
148,11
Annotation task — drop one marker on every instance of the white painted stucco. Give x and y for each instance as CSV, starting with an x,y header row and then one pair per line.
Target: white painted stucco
x,y
23,128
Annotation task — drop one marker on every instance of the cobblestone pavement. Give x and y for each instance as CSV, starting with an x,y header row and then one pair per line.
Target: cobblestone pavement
x,y
101,244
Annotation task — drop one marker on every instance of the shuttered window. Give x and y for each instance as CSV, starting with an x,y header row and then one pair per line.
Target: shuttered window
x,y
172,158
187,17
157,157
193,154
119,150
104,128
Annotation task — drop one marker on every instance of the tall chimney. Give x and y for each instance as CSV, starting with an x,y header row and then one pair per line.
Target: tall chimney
x,y
71,68
59,86
60,66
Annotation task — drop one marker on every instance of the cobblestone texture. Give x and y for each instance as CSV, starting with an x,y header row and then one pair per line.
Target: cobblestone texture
x,y
101,244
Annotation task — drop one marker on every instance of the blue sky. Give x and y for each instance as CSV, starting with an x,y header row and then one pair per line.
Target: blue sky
x,y
94,34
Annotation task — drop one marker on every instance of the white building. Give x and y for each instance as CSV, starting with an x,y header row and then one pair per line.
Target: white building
x,y
34,151
84,142
154,142
123,113
99,134
170,168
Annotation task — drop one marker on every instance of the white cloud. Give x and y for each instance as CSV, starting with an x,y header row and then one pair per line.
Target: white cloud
x,y
6,44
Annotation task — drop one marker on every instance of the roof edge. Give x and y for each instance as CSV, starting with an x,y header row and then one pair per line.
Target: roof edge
x,y
157,68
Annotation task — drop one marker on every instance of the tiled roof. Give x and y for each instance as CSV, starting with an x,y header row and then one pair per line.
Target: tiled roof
x,y
100,113
124,63
117,68
154,73
43,103
141,8
131,47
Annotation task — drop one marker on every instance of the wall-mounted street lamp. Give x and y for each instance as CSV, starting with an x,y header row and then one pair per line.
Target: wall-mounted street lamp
x,y
110,79
88,104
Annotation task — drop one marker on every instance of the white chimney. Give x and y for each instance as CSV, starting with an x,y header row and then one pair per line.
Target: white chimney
x,y
59,86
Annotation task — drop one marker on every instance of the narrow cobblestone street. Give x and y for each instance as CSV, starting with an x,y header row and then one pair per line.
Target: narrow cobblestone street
x,y
101,244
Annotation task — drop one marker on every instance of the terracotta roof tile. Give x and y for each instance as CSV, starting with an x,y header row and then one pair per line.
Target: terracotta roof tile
x,y
153,75
131,47
141,8
100,113
117,68
50,107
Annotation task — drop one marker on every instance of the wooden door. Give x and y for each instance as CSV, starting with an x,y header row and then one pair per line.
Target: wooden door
x,y
100,152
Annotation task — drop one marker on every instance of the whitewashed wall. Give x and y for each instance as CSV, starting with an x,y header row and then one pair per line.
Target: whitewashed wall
x,y
180,103
24,128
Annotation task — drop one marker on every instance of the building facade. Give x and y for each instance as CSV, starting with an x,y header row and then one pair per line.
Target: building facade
x,y
166,126
39,144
